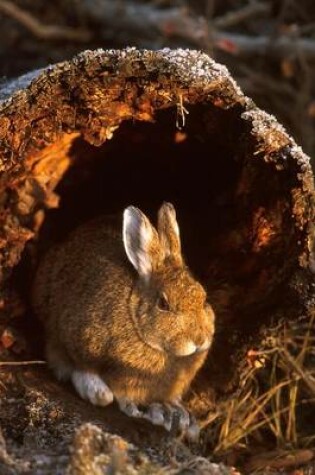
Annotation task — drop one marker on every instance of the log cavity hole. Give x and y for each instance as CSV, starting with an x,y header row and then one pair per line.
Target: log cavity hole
x,y
231,217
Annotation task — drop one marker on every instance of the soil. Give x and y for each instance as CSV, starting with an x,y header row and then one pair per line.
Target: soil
x,y
46,426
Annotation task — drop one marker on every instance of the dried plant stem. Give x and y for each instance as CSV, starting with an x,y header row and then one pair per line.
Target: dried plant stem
x,y
21,363
41,31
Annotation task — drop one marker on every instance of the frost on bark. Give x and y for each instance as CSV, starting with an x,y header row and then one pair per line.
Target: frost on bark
x,y
113,128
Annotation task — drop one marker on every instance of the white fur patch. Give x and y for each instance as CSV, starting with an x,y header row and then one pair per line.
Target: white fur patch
x,y
156,414
144,258
175,225
128,226
92,388
188,349
137,237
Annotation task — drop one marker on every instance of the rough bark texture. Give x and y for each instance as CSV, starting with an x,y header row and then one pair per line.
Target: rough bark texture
x,y
111,128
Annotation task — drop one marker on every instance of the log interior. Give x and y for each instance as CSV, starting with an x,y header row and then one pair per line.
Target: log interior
x,y
133,128
235,226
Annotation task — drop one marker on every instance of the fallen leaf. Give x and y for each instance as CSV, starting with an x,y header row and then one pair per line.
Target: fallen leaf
x,y
7,339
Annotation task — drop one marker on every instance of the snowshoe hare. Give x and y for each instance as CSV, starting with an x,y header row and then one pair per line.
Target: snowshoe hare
x,y
124,318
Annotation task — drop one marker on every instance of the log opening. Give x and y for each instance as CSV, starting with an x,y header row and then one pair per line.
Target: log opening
x,y
98,139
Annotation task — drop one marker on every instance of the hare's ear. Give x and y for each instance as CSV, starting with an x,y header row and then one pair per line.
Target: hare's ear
x,y
141,242
169,233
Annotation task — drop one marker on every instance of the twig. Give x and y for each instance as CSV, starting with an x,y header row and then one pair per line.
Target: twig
x,y
238,16
22,363
278,47
208,40
41,31
307,378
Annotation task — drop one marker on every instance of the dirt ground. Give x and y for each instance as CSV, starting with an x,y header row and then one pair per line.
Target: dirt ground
x,y
46,428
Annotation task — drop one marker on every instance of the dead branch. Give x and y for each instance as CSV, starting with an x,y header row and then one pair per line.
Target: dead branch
x,y
41,31
238,16
145,21
277,47
151,25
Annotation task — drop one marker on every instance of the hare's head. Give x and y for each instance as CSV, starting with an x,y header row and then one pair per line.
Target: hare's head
x,y
172,314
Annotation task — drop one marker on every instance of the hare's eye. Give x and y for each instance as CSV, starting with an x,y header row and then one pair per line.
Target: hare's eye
x,y
162,303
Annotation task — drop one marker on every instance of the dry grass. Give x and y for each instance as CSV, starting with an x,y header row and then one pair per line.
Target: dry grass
x,y
276,405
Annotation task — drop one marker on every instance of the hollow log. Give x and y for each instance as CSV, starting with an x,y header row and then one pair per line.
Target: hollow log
x,y
113,128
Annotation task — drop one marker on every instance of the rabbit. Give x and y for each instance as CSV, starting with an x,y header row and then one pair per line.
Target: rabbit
x,y
123,316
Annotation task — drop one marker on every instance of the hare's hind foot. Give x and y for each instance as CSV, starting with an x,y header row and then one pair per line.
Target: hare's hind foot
x,y
88,384
92,388
58,362
173,417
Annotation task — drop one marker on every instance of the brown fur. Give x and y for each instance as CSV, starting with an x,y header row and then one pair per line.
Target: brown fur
x,y
100,315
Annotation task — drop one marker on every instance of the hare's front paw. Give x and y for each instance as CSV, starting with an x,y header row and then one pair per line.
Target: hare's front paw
x,y
92,388
173,417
